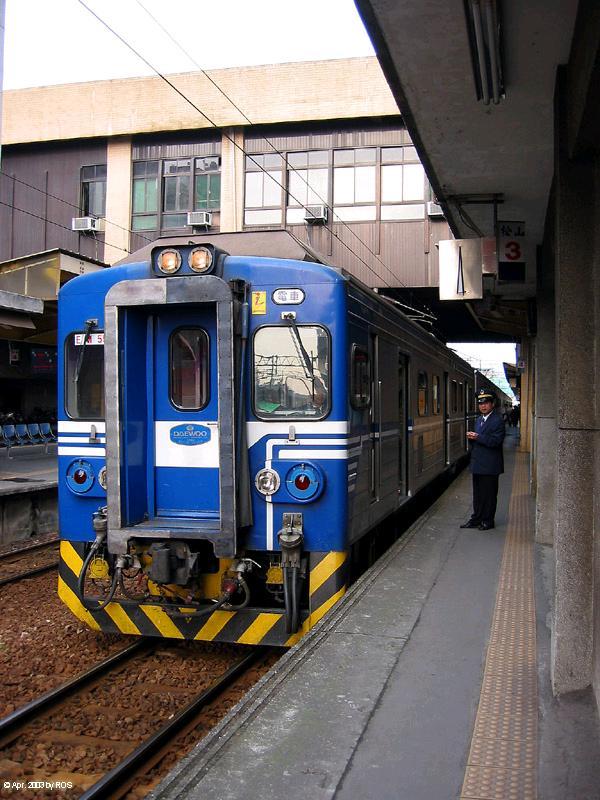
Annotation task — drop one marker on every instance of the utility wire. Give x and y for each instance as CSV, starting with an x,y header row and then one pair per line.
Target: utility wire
x,y
72,205
227,136
275,148
58,224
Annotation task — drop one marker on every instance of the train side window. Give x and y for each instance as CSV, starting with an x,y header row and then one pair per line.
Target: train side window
x,y
188,353
291,372
422,395
360,389
84,376
435,394
461,397
454,397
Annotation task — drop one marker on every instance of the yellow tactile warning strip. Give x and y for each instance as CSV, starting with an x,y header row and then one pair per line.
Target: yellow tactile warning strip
x,y
502,763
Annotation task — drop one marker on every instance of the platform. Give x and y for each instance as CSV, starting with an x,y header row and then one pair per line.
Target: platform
x,y
28,492
428,681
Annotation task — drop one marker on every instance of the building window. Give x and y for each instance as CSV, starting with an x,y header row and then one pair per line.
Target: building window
x,y
176,192
402,184
164,191
207,184
354,184
93,191
422,398
145,196
307,183
264,192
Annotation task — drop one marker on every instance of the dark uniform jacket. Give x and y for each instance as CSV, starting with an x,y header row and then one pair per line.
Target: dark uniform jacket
x,y
486,455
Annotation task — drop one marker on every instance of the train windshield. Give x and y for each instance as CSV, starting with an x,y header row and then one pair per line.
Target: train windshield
x,y
291,372
84,376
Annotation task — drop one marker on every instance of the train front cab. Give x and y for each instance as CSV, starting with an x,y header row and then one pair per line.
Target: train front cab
x,y
179,502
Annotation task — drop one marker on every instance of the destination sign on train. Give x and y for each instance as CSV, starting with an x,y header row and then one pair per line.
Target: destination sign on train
x,y
93,338
288,297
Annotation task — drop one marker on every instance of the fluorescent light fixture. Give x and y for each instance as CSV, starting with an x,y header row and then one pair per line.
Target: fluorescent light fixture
x,y
485,39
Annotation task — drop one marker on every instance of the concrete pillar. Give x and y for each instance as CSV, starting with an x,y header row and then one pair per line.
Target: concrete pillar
x,y
572,629
545,402
527,352
118,198
232,180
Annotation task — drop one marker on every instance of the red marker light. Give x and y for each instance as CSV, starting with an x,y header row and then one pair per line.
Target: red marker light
x,y
80,476
302,482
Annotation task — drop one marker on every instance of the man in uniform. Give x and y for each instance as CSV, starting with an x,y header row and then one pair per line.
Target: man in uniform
x,y
487,461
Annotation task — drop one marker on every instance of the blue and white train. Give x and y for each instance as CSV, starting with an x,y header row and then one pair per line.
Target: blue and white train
x,y
230,429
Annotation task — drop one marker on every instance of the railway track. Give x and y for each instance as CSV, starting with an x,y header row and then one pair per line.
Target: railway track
x,y
15,565
69,739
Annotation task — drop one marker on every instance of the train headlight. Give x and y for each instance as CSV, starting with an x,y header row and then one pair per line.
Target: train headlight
x,y
102,478
80,476
304,481
200,259
267,482
169,261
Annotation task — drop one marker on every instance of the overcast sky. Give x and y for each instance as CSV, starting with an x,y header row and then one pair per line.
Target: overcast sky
x,y
59,41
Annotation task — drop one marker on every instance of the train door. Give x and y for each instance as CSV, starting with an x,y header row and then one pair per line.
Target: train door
x,y
184,416
375,421
446,418
402,424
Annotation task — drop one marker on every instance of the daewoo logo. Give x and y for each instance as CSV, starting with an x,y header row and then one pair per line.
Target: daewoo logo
x,y
190,434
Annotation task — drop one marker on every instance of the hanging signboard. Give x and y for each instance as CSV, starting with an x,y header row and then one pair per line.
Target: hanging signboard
x,y
461,269
512,261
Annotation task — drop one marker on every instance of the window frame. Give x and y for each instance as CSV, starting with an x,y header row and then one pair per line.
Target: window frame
x,y
205,368
67,381
366,403
436,397
84,194
289,418
422,388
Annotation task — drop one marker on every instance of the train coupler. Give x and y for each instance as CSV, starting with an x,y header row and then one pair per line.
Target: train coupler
x,y
290,539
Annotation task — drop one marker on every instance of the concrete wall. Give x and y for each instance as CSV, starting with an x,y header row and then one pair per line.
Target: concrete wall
x,y
573,243
321,90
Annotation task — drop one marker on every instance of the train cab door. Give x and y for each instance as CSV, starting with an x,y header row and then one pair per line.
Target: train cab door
x,y
184,416
170,389
446,418
375,426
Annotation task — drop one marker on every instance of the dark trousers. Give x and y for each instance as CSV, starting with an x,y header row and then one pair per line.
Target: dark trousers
x,y
485,498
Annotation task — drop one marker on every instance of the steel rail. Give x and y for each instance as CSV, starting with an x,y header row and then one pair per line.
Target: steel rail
x,y
10,724
29,574
109,785
21,550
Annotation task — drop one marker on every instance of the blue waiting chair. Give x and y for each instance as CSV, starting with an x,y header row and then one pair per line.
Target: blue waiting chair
x,y
10,435
46,432
22,433
33,430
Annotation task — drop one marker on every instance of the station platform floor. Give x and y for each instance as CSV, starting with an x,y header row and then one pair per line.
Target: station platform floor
x,y
28,468
429,680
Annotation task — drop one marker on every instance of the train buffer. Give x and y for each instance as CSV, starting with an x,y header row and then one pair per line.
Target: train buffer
x,y
428,681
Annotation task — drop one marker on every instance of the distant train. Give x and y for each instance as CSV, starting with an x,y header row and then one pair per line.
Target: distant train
x,y
230,428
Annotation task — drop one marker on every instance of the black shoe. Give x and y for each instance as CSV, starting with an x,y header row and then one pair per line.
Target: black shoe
x,y
486,526
471,524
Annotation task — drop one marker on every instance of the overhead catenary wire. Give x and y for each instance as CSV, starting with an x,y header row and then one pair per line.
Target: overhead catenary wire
x,y
278,152
58,224
46,193
238,146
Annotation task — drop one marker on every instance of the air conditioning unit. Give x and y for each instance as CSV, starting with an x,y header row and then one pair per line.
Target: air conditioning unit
x,y
199,218
315,214
434,210
87,224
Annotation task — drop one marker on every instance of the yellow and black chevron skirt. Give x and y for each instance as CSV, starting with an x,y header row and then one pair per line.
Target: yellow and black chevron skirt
x,y
327,584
